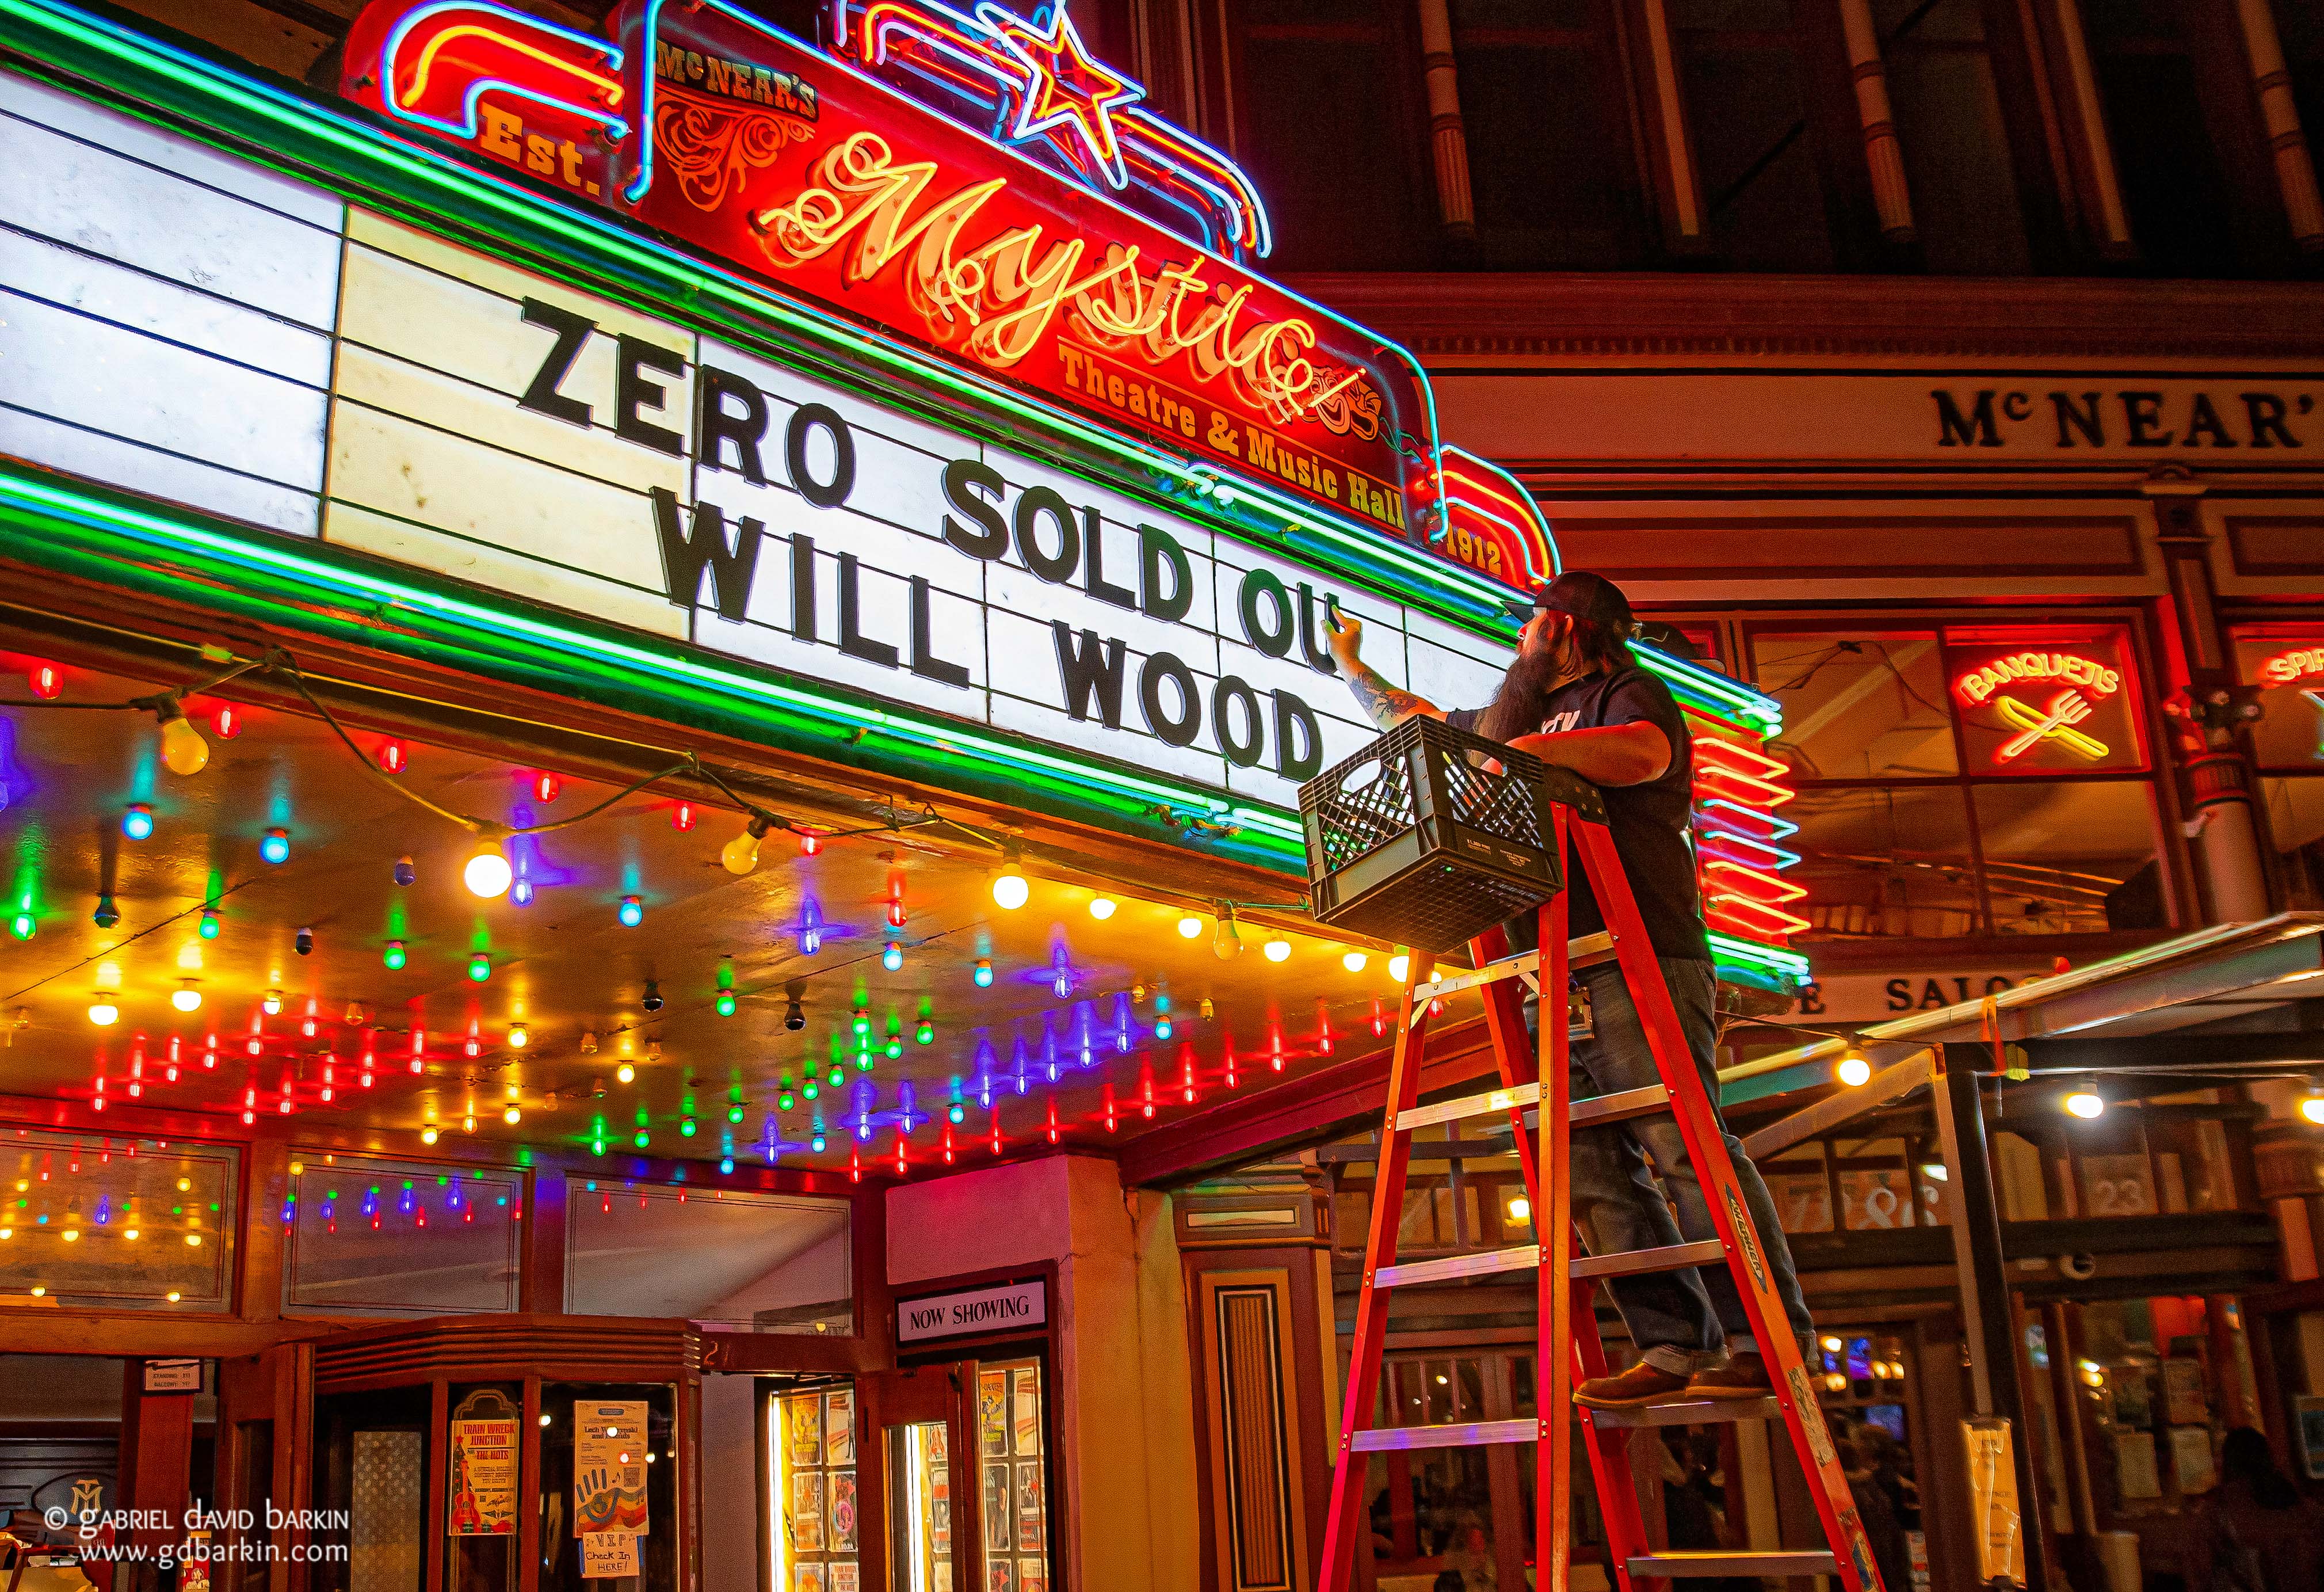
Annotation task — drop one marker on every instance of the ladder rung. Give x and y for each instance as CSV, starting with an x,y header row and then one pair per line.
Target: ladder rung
x,y
1523,1258
1690,1413
1635,1262
1805,1561
1485,1105
1585,952
1597,1110
1466,1435
1521,966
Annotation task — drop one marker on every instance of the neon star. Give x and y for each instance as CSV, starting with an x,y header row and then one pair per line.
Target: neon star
x,y
1063,86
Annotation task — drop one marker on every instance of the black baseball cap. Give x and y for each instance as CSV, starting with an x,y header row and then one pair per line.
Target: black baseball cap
x,y
1584,596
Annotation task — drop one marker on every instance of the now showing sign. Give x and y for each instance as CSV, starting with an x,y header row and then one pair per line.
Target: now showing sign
x,y
974,1311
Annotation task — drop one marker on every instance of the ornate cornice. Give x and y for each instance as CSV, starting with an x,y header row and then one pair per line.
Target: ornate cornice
x,y
1527,315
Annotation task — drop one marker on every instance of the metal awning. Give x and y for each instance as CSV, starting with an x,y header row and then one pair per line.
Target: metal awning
x,y
2230,970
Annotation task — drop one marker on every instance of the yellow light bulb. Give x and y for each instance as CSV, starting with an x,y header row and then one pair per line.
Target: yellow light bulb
x,y
1278,950
518,1036
1355,961
741,853
103,1012
182,746
1855,1069
1520,1211
1010,888
1398,966
2312,1108
193,1241
487,873
625,1072
131,1233
184,1185
39,1291
511,1116
1101,907
2086,1103
1190,927
427,1135
175,1296
72,1235
7,1232
186,997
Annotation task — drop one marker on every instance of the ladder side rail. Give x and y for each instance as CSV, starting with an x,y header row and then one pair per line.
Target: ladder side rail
x,y
1348,1517
1706,1149
1552,1216
1505,1022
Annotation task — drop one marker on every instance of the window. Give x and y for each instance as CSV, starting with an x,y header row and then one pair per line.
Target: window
x,y
1956,781
768,1262
1751,108
401,1238
2286,661
1552,169
122,1224
2176,85
1326,120
1947,104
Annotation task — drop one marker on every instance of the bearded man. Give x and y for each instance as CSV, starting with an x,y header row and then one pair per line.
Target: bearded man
x,y
1576,698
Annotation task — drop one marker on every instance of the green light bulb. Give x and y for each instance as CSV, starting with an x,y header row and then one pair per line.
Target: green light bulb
x,y
393,955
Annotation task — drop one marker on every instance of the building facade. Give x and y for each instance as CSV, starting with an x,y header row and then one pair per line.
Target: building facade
x,y
1944,376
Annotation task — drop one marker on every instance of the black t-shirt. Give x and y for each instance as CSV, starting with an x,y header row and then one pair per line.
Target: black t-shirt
x,y
1649,821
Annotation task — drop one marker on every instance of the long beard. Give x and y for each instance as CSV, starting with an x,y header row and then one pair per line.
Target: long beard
x,y
1519,705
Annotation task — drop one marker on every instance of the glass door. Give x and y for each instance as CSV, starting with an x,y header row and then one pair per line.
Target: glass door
x,y
926,1515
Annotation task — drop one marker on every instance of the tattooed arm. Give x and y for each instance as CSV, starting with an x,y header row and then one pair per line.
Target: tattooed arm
x,y
1384,704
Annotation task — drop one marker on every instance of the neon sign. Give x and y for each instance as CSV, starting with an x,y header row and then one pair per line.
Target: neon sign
x,y
1980,683
2053,721
1008,223
2289,668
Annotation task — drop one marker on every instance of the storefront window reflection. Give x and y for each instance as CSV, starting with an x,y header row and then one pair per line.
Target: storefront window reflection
x,y
1958,781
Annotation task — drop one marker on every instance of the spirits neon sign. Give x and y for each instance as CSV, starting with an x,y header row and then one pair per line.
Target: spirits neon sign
x,y
1023,214
2289,668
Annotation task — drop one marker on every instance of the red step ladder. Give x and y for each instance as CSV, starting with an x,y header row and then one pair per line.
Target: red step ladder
x,y
1569,1349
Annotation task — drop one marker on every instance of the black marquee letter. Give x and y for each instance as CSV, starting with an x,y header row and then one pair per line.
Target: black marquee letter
x,y
572,335
1275,641
1089,667
1057,568
1290,713
1158,550
684,553
716,426
1171,731
1242,753
632,391
828,493
991,539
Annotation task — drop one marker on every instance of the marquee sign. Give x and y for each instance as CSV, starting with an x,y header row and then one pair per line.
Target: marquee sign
x,y
1025,247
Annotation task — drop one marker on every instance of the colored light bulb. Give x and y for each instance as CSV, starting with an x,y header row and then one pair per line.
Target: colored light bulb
x,y
274,846
892,957
480,967
137,823
210,926
1010,888
632,911
486,873
725,1003
395,956
182,746
983,973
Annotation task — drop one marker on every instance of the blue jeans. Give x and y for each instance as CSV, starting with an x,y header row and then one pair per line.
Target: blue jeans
x,y
1687,1319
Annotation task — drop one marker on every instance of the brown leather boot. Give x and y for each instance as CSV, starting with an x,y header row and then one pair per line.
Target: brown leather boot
x,y
1642,1383
1744,1376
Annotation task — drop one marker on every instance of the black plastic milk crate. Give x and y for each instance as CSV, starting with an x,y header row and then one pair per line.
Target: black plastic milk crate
x,y
1418,841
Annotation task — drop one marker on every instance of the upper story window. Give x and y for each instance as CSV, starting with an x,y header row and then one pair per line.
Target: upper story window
x,y
1762,133
1553,169
1323,107
1958,781
2176,84
1948,75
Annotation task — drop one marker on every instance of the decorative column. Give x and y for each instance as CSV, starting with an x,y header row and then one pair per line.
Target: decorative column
x,y
2085,123
2208,708
1448,141
2295,170
1678,184
1882,154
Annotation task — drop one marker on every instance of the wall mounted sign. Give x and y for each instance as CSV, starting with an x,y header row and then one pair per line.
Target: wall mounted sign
x,y
1014,248
2056,707
173,1376
972,1312
483,1480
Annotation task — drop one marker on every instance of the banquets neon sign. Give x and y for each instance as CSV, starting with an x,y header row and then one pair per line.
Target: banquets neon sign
x,y
2085,682
975,182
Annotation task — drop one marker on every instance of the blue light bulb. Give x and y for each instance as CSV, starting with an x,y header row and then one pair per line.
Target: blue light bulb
x,y
276,846
983,973
726,1163
632,913
521,892
892,958
137,823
